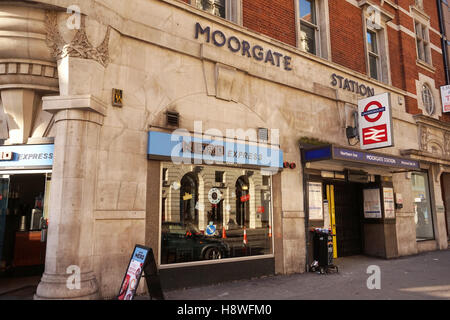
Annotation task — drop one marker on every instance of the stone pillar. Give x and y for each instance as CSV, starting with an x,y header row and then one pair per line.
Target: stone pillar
x,y
292,219
78,116
438,207
78,121
405,225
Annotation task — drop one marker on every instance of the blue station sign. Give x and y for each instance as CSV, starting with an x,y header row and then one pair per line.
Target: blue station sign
x,y
331,152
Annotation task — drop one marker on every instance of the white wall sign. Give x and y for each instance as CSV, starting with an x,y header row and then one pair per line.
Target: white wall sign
x,y
315,201
375,122
445,96
372,204
389,203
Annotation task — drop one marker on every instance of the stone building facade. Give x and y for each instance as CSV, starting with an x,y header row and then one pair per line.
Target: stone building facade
x,y
294,69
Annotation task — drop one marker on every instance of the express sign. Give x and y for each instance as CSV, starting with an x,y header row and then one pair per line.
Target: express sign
x,y
375,122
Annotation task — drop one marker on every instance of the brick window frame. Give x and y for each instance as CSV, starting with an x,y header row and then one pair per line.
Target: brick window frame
x,y
423,47
373,54
422,27
375,21
321,25
232,11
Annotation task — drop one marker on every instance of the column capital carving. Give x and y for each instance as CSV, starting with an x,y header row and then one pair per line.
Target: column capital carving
x,y
83,108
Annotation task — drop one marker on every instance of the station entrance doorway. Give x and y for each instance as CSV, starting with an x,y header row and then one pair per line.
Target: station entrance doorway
x,y
348,203
357,207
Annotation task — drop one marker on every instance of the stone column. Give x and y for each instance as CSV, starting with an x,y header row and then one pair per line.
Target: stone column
x,y
438,207
405,224
78,120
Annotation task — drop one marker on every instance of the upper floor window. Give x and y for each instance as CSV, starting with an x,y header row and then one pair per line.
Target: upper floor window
x,y
312,26
215,7
308,26
423,42
374,57
227,9
375,20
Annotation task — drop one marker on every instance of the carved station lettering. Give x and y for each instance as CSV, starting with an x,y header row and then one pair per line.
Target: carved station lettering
x,y
352,86
235,45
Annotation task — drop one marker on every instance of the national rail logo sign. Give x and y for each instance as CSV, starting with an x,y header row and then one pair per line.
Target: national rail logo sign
x,y
375,122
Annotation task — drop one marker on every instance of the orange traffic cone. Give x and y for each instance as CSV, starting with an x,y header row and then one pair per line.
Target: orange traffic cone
x,y
224,234
245,236
270,231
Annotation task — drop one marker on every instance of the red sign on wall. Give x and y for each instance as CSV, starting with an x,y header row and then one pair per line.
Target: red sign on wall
x,y
245,198
375,134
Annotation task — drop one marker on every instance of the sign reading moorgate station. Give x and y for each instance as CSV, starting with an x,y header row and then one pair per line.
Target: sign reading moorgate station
x,y
235,45
331,152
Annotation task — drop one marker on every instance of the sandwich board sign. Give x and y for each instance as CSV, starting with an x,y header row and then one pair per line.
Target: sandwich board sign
x,y
375,122
142,260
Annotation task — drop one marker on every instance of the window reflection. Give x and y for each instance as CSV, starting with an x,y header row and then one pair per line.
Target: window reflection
x,y
422,206
211,213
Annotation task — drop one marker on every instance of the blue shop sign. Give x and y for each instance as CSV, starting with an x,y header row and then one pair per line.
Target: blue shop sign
x,y
195,150
26,156
338,153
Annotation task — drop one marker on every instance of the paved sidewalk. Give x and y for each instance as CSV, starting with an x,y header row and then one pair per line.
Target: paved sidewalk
x,y
424,276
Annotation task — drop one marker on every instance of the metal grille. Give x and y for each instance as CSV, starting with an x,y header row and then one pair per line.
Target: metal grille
x,y
173,118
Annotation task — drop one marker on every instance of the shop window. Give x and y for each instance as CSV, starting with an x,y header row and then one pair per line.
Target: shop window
x,y
227,9
202,221
423,43
422,206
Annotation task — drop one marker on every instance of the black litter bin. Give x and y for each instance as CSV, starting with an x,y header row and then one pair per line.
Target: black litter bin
x,y
323,250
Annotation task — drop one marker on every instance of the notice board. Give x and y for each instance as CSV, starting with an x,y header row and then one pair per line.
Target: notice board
x,y
315,197
372,204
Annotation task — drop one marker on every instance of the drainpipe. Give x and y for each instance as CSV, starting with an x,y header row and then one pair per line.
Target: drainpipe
x,y
443,41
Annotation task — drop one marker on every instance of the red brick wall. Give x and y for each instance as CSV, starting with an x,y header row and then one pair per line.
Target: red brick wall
x,y
277,19
347,39
274,18
397,70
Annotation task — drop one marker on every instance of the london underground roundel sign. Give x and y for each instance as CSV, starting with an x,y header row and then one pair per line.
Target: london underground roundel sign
x,y
375,122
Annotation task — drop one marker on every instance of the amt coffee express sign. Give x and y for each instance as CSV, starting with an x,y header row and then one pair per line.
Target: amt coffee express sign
x,y
26,156
375,122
